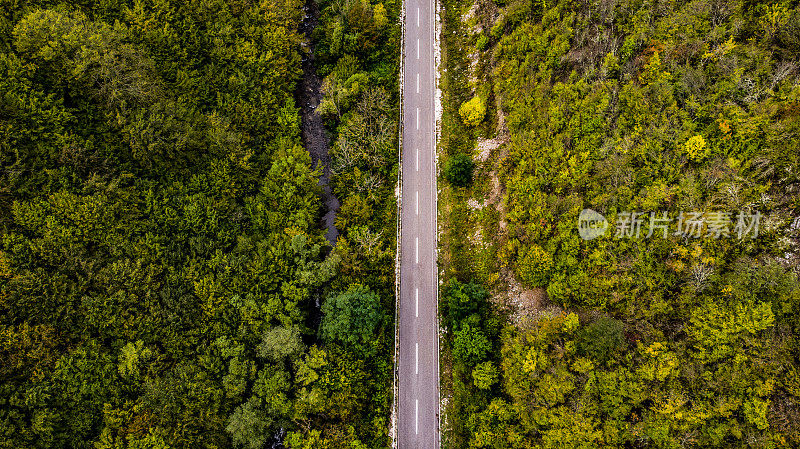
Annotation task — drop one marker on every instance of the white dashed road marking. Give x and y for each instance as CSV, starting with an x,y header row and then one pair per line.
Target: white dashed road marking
x,y
416,416
416,358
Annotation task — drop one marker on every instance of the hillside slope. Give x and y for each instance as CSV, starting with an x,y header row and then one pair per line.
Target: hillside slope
x,y
680,339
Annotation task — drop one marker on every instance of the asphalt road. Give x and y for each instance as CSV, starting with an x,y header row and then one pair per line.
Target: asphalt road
x,y
418,357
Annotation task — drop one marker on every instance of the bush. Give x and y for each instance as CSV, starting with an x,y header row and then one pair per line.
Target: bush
x,y
472,112
482,42
610,65
458,170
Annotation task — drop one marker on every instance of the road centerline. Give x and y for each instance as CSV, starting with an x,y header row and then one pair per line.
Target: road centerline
x,y
416,303
416,416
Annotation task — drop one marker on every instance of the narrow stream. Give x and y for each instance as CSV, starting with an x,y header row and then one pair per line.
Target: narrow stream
x,y
315,137
316,141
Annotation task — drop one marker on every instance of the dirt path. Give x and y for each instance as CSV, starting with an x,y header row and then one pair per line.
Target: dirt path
x,y
315,137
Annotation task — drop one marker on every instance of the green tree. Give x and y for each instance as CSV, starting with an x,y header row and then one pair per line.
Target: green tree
x,y
351,317
534,266
470,345
281,342
602,338
249,425
458,170
484,375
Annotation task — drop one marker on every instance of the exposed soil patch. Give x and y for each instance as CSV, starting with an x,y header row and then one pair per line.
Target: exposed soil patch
x,y
315,137
524,304
486,146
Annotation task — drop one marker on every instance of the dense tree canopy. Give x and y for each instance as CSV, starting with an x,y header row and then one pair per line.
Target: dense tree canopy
x,y
161,259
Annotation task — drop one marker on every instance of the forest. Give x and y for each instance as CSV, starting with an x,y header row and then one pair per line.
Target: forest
x,y
673,341
164,277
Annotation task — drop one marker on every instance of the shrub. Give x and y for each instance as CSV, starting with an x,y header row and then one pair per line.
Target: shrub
x,y
498,28
610,65
472,112
458,170
482,42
